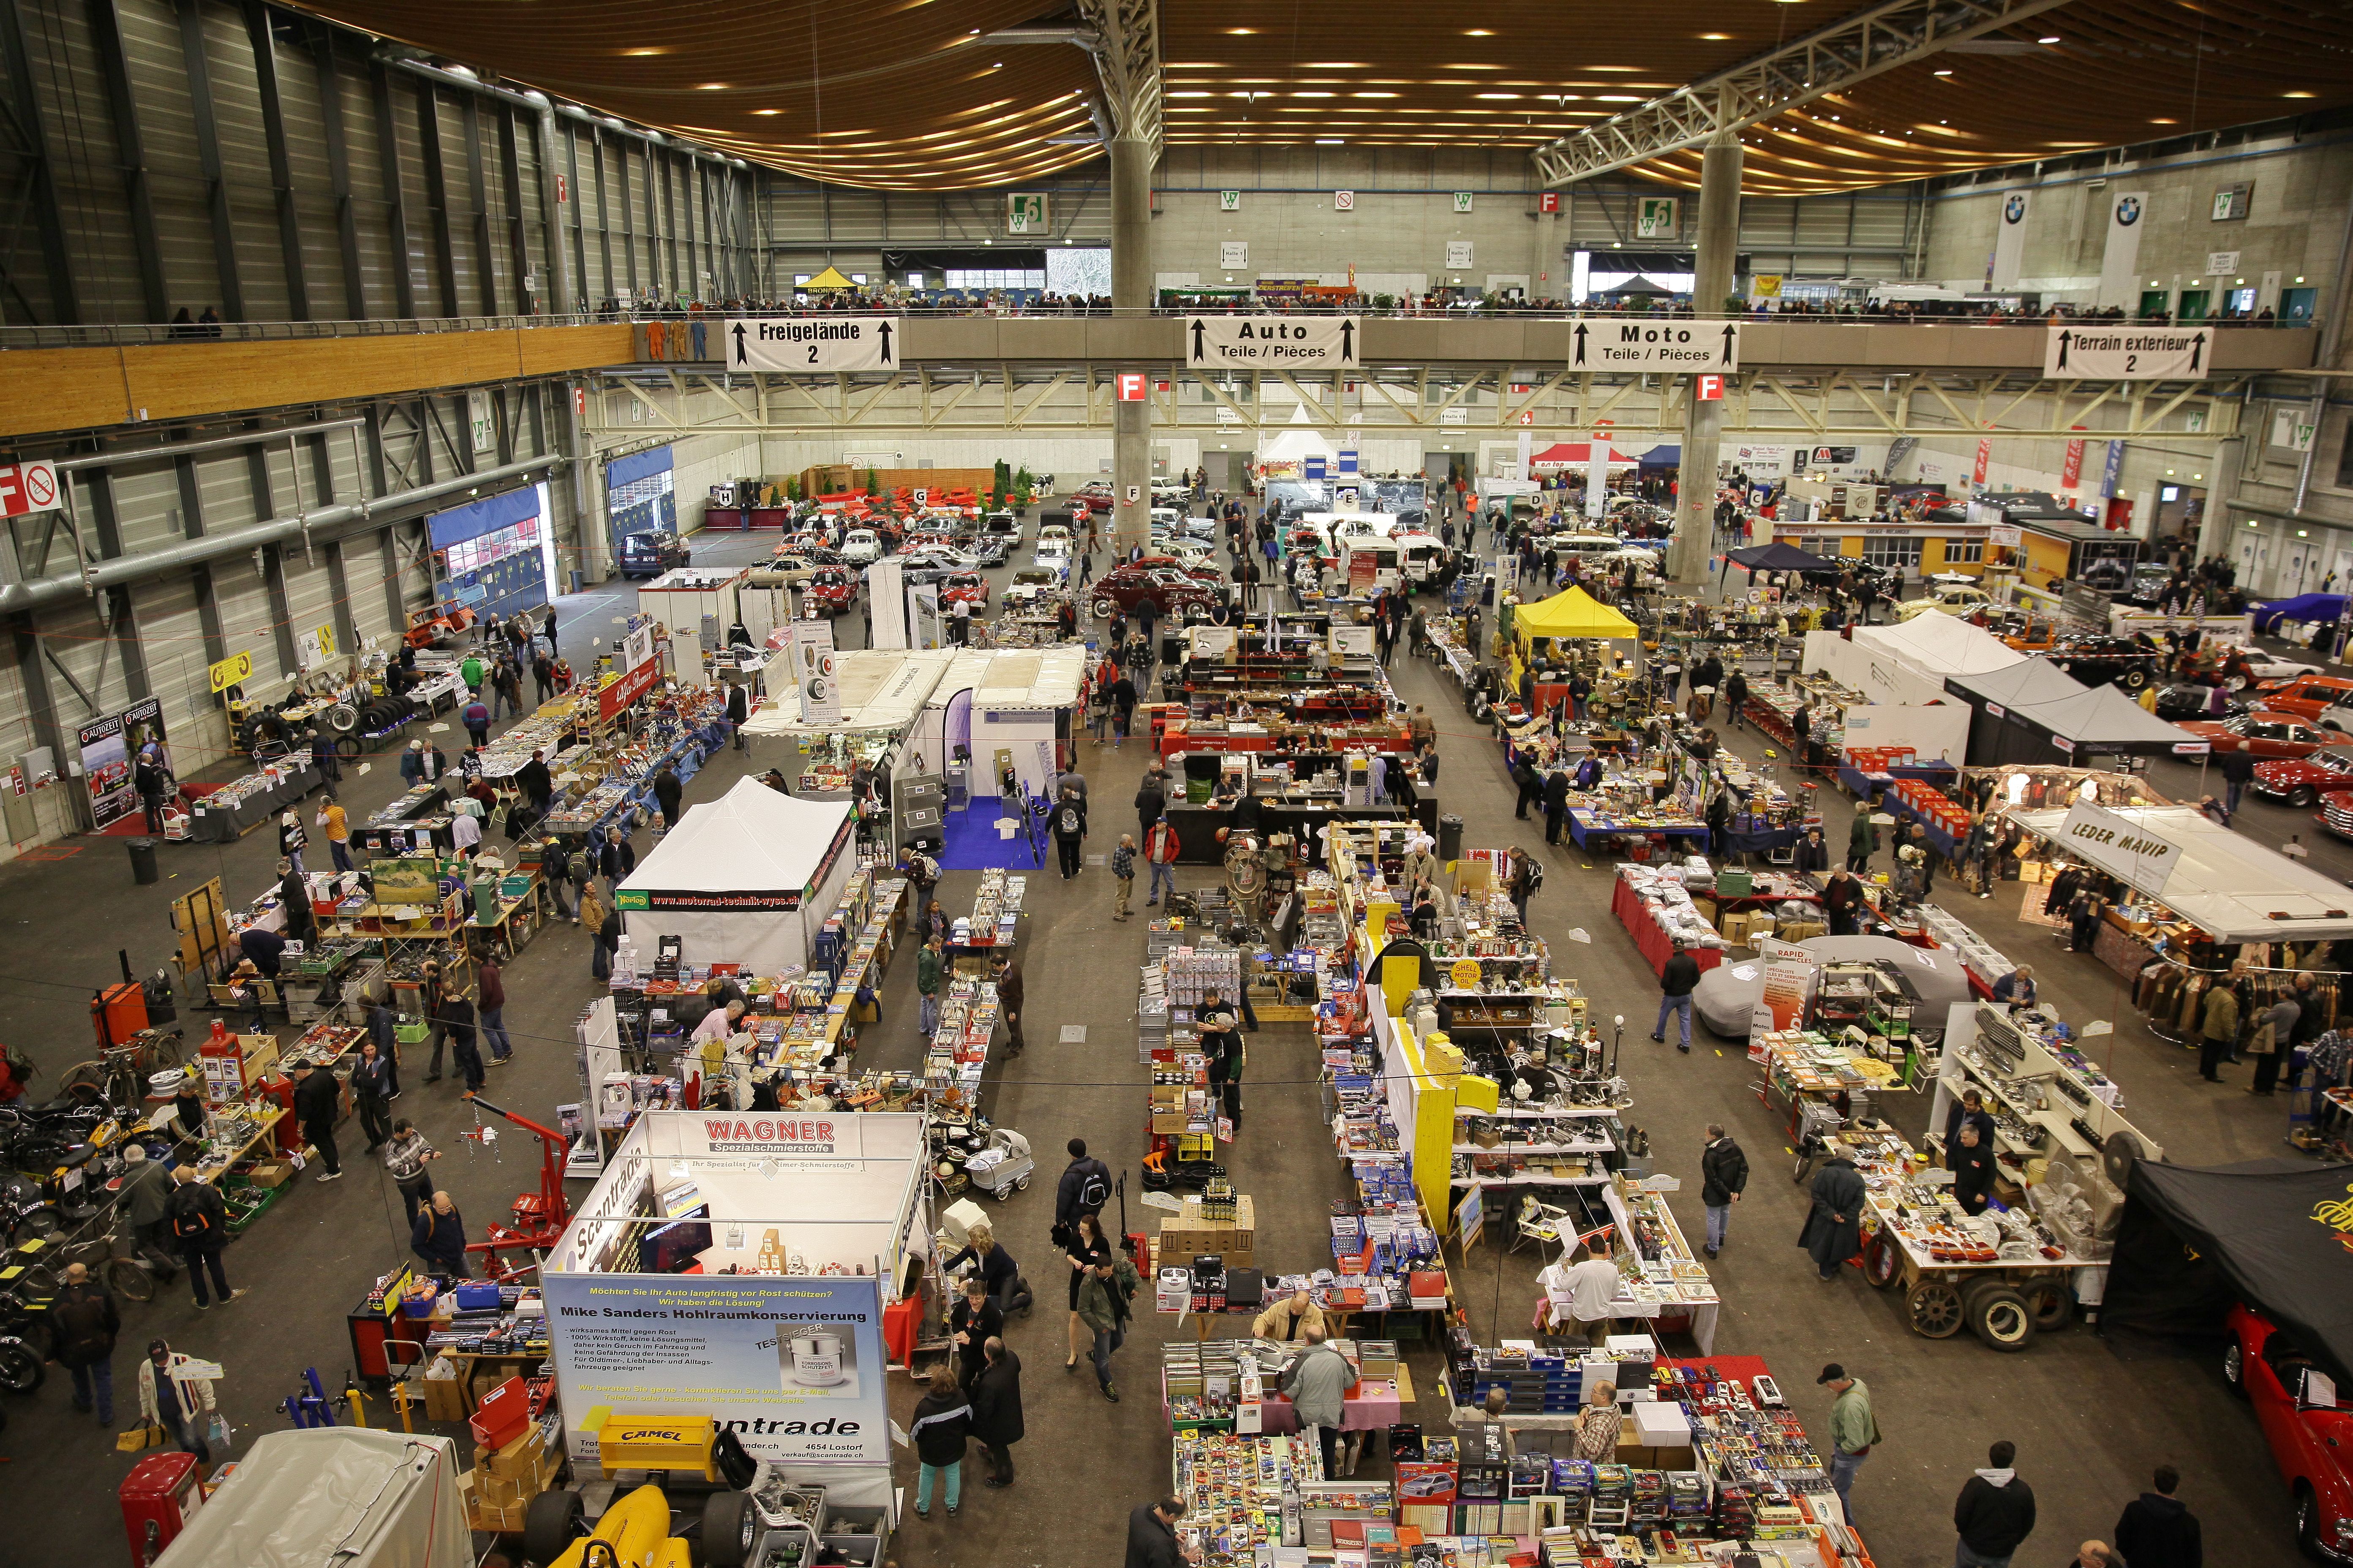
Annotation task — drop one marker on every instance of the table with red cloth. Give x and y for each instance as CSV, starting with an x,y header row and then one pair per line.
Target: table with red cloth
x,y
1656,944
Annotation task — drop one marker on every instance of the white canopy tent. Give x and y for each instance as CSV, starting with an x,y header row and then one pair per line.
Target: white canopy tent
x,y
2233,889
742,879
881,688
1907,664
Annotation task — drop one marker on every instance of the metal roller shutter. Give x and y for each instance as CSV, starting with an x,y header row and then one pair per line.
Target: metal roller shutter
x,y
364,573
146,506
372,215
245,164
310,602
167,134
313,183
171,639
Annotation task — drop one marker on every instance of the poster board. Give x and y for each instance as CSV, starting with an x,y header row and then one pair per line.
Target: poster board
x,y
1789,976
106,747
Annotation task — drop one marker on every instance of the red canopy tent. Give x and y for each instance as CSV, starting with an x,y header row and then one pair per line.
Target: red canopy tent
x,y
1576,455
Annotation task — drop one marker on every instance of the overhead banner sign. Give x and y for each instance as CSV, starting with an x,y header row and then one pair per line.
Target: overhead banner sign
x,y
1605,344
1273,342
814,342
613,699
2120,261
2127,352
2119,845
2010,240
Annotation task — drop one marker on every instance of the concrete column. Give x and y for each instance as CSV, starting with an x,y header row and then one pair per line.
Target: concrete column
x,y
1547,271
1132,294
1718,240
2214,528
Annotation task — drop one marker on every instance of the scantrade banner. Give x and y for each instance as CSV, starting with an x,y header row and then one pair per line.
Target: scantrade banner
x,y
794,1366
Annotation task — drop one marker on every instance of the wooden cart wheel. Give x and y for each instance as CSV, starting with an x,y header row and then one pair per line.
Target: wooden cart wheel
x,y
1881,1260
1934,1309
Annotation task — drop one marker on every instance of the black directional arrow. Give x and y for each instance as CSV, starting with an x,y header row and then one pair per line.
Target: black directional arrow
x,y
2197,349
1580,344
1200,335
741,357
1347,342
2064,339
886,343
1730,343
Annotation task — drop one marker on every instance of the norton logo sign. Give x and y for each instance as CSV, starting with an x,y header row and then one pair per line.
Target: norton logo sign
x,y
2131,844
768,1134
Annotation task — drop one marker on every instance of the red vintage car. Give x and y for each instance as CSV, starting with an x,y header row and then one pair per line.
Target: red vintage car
x,y
2303,695
1170,588
2261,733
2311,1442
966,588
2300,781
832,588
2336,811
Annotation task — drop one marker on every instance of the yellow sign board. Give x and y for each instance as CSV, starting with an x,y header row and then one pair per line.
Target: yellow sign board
x,y
230,671
1466,973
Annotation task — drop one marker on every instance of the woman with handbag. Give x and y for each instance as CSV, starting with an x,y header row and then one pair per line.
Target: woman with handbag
x,y
2275,1028
176,1394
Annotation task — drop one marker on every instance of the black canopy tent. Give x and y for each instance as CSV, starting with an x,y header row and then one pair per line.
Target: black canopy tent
x,y
2035,713
1776,557
2276,1235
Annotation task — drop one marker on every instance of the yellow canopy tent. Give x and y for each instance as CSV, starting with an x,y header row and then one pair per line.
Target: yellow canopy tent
x,y
828,279
1573,613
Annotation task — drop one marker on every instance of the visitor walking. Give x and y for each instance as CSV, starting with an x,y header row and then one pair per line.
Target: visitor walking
x,y
1724,1174
1855,1431
1675,983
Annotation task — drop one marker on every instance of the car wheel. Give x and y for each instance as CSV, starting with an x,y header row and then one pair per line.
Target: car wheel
x,y
1934,1309
2001,1318
2052,1302
2134,679
2234,1368
1105,609
550,1525
2308,1523
2302,796
730,1525
2236,683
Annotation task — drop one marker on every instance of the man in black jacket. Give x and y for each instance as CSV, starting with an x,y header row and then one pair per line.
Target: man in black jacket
x,y
1531,785
2157,1532
1084,1188
1152,1538
315,1105
1724,1174
997,1411
1675,985
2238,773
1995,1512
1069,826
1556,803
668,792
972,1322
538,785
83,1321
1151,801
1735,693
1973,1170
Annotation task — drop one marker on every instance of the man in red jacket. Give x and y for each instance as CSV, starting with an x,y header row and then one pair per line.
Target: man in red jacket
x,y
1160,847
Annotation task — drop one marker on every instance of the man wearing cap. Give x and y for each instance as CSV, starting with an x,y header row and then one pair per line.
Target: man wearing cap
x,y
1855,1431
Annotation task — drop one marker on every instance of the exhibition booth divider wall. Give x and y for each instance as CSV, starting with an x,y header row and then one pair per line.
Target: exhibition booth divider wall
x,y
818,1211
740,880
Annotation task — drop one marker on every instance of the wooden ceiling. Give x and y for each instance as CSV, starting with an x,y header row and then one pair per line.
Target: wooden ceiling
x,y
907,95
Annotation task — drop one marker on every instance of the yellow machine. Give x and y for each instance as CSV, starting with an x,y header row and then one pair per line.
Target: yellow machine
x,y
634,1534
679,1446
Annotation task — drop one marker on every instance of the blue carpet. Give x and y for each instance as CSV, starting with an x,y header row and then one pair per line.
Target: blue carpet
x,y
973,845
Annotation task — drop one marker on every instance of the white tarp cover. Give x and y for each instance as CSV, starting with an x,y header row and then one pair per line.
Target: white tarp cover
x,y
350,1496
1906,665
2219,881
1942,645
742,878
881,688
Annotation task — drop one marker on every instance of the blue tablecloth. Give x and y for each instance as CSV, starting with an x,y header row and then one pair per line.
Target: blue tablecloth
x,y
1581,832
1756,842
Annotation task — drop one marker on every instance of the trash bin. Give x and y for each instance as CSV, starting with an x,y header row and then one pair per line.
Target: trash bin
x,y
142,861
1450,839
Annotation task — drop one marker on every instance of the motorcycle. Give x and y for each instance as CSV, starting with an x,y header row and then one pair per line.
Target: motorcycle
x,y
21,1371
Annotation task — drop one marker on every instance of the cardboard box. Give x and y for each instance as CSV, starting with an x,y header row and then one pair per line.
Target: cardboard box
x,y
445,1398
272,1172
1802,930
1735,926
522,1456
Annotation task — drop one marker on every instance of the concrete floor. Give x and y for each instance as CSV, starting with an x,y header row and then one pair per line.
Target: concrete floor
x,y
2091,1417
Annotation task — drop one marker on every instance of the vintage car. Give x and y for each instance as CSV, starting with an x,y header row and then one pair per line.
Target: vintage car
x,y
965,588
2099,661
1170,588
2300,781
831,588
2308,1425
2270,736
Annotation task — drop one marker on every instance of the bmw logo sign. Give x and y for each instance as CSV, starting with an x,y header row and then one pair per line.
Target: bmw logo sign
x,y
2015,209
2127,211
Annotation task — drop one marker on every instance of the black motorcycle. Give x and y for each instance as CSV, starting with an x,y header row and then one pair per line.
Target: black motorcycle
x,y
21,1328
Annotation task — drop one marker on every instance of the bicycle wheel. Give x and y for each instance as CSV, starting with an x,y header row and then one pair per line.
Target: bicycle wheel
x,y
129,1280
162,1051
90,1076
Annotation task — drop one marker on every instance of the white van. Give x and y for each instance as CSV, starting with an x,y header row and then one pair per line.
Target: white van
x,y
1342,525
1423,555
1368,563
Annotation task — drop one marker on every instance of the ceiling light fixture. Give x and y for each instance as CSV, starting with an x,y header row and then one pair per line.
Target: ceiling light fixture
x,y
1500,97
1336,65
1943,73
1478,32
1242,32
2048,38
1372,95
711,86
642,52
1329,142
767,111
1715,37
2295,95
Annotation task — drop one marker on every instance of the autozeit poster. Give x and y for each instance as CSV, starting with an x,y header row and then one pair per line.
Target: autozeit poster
x,y
793,1365
1788,983
107,748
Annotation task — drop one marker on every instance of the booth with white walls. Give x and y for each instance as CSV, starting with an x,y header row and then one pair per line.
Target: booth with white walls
x,y
742,1267
699,605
